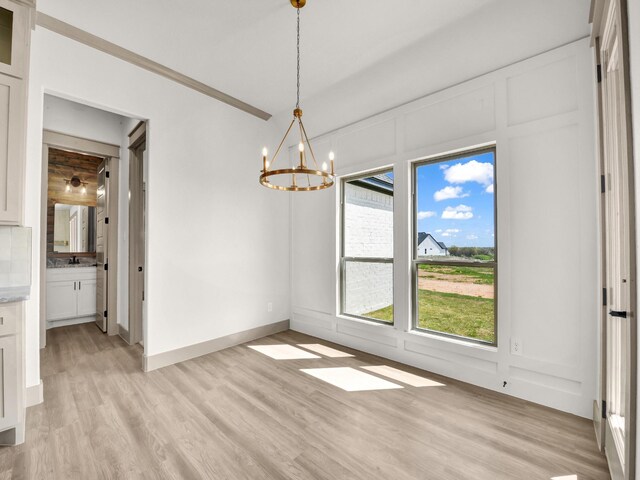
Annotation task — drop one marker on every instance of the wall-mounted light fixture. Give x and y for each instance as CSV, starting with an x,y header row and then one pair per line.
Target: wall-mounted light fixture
x,y
75,182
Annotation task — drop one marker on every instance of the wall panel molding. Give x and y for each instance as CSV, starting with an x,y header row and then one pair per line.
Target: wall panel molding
x,y
539,114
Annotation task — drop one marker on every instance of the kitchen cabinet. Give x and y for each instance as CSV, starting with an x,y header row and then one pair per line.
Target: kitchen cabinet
x,y
15,34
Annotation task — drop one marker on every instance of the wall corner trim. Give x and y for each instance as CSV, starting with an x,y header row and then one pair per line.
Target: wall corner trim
x,y
67,30
35,394
153,362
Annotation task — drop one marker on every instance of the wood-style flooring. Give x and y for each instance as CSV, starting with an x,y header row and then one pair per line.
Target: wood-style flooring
x,y
238,414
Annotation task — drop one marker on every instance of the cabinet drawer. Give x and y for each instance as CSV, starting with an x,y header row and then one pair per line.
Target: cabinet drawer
x,y
9,314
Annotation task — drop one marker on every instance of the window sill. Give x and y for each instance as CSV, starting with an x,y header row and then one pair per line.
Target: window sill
x,y
454,341
362,321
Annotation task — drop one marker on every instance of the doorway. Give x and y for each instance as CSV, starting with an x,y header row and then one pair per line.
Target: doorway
x,y
60,198
618,322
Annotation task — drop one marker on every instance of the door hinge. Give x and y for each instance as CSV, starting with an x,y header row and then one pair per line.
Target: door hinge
x,y
105,314
106,266
599,73
603,184
106,220
107,174
604,297
604,409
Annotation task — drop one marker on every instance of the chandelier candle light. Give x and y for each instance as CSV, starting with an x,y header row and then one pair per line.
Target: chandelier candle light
x,y
316,178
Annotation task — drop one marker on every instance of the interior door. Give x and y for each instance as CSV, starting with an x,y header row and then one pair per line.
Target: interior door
x,y
136,240
101,248
619,238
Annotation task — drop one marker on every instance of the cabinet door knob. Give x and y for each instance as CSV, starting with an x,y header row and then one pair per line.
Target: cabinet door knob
x,y
74,285
79,285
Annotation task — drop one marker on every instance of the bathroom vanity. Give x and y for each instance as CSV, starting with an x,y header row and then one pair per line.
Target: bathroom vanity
x,y
71,295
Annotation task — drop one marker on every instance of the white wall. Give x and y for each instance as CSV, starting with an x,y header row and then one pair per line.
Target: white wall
x,y
540,112
217,241
65,116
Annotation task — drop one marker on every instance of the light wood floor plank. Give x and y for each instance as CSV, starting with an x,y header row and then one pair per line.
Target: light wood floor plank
x,y
238,414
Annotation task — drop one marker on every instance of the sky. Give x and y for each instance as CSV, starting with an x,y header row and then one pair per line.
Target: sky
x,y
455,200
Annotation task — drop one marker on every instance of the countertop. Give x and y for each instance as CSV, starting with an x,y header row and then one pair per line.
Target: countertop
x,y
75,265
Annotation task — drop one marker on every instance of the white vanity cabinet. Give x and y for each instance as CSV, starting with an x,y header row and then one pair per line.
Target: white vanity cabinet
x,y
71,295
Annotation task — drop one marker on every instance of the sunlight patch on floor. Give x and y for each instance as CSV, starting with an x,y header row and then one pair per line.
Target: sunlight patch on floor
x,y
283,352
324,350
566,477
350,379
404,377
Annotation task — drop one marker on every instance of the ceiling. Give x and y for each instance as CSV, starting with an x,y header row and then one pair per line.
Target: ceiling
x,y
358,57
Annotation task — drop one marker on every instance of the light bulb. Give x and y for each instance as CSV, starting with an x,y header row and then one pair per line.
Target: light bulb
x,y
324,166
67,188
84,190
265,152
267,163
301,147
332,156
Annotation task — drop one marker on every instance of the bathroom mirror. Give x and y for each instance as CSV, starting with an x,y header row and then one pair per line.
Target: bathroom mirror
x,y
74,229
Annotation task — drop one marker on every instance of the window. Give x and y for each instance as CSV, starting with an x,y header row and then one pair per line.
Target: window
x,y
367,246
454,225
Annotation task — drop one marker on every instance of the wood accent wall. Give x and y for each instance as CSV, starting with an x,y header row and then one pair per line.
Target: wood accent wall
x,y
64,165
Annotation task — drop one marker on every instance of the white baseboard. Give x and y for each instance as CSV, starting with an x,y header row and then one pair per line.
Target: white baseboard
x,y
70,321
165,359
35,395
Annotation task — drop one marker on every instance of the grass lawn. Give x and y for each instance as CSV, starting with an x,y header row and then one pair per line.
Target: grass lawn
x,y
450,313
477,275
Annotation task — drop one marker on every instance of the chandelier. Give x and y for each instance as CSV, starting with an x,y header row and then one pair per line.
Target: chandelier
x,y
302,177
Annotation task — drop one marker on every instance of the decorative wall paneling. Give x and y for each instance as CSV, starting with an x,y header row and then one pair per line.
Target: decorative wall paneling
x,y
539,112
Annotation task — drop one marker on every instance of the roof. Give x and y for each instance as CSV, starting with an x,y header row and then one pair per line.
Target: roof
x,y
422,236
382,182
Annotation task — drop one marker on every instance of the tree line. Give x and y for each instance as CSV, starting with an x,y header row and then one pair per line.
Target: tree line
x,y
480,253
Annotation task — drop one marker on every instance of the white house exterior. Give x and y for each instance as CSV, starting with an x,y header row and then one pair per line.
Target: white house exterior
x,y
428,246
368,213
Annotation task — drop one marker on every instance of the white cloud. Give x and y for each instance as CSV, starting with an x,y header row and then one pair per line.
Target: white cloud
x,y
439,230
423,215
449,192
472,171
453,230
489,189
472,237
447,234
461,212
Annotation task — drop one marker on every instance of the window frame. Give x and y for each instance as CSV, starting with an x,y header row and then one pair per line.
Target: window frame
x,y
344,259
415,262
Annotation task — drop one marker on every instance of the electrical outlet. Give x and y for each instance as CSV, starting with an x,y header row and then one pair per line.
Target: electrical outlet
x,y
269,307
516,346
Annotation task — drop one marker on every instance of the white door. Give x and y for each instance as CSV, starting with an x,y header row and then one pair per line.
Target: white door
x,y
619,248
136,240
101,248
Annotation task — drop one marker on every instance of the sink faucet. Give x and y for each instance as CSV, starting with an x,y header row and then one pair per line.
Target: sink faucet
x,y
74,261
